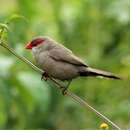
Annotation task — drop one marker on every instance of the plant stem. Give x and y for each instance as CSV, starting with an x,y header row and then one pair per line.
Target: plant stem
x,y
21,58
59,86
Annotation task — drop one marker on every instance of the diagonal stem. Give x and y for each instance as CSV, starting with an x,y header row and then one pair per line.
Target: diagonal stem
x,y
21,58
59,86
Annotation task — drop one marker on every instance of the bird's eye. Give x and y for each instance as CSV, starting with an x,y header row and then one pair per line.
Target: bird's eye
x,y
37,42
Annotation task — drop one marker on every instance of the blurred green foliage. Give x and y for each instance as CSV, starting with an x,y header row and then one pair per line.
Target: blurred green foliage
x,y
96,30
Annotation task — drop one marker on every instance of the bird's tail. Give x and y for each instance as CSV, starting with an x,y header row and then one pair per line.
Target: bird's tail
x,y
96,72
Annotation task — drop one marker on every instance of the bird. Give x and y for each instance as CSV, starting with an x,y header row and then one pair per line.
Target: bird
x,y
61,63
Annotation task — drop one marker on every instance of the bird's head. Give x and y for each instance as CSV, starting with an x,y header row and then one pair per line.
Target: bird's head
x,y
37,42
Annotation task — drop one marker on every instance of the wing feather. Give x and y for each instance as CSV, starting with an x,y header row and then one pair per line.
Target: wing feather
x,y
63,54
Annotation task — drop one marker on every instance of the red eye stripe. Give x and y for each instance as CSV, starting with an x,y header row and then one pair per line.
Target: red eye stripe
x,y
37,42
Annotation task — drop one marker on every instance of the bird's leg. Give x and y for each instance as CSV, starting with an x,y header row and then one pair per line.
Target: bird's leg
x,y
64,89
44,76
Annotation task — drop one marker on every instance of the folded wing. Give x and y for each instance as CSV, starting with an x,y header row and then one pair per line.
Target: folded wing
x,y
63,54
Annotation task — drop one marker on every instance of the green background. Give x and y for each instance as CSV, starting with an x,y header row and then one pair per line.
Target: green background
x,y
98,31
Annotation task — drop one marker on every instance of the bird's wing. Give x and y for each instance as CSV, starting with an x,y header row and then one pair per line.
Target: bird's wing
x,y
63,54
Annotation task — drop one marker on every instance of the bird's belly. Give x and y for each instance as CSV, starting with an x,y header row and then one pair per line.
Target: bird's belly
x,y
60,70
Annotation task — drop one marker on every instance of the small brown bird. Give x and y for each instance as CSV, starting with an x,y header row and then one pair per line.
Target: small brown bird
x,y
59,62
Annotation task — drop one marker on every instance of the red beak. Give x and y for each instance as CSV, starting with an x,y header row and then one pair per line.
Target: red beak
x,y
28,46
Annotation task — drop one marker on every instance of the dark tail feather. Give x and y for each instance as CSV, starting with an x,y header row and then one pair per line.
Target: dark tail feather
x,y
95,72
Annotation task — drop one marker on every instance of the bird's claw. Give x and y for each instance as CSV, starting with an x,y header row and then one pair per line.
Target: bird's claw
x,y
64,90
44,76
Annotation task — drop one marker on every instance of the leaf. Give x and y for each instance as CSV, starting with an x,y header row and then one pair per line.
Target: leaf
x,y
5,26
15,17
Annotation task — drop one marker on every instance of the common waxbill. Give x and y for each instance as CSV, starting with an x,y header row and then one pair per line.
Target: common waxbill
x,y
59,62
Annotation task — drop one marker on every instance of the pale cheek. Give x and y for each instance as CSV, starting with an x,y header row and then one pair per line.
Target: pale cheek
x,y
34,50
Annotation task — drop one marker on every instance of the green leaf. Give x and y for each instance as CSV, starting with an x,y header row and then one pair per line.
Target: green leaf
x,y
5,26
15,17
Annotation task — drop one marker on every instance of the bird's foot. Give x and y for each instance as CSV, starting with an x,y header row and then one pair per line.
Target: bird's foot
x,y
64,90
44,76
